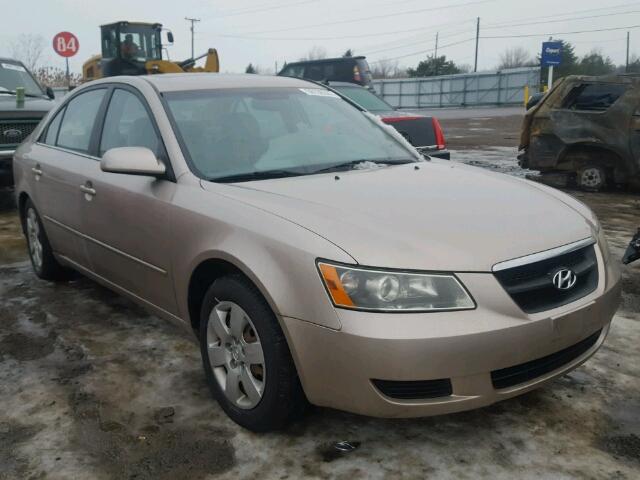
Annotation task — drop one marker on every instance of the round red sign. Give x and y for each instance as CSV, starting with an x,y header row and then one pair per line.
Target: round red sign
x,y
66,44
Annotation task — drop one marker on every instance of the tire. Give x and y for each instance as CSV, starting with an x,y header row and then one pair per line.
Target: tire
x,y
43,262
233,317
591,178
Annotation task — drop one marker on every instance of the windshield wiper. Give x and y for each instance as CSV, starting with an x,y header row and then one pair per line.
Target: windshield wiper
x,y
339,167
245,177
13,92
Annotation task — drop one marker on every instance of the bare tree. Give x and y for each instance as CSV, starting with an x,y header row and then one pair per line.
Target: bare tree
x,y
28,49
514,57
315,53
386,68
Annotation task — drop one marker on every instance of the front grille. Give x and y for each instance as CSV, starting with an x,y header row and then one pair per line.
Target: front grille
x,y
412,390
510,376
8,128
531,286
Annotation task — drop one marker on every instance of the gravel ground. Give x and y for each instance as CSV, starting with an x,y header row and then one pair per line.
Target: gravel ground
x,y
94,387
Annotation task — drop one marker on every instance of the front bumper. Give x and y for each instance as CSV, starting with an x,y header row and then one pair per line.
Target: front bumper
x,y
6,167
337,367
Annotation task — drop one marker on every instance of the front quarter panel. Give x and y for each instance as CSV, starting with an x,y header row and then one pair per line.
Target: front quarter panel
x,y
276,254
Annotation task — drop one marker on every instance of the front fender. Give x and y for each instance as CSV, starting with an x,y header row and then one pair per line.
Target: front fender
x,y
276,254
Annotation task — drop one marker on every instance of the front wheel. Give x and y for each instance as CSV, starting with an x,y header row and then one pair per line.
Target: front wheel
x,y
246,358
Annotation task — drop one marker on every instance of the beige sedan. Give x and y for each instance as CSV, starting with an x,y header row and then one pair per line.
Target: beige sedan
x,y
315,254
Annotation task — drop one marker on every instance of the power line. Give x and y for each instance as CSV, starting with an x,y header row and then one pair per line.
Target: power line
x,y
363,35
372,50
235,13
427,50
562,33
560,20
373,17
555,16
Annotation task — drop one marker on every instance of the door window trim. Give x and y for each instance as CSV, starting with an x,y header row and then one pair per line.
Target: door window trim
x,y
96,133
102,115
89,150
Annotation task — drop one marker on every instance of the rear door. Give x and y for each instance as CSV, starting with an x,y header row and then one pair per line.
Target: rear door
x,y
61,160
127,219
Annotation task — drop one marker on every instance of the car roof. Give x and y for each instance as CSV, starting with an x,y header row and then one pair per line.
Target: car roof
x,y
172,82
326,60
12,60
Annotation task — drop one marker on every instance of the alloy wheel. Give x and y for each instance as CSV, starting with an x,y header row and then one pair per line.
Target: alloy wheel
x,y
236,355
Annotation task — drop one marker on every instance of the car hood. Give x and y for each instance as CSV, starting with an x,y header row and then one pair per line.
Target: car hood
x,y
30,108
443,216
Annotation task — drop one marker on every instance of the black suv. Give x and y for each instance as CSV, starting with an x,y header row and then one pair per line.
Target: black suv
x,y
18,119
343,69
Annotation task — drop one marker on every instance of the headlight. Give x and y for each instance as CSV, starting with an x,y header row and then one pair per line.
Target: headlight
x,y
369,289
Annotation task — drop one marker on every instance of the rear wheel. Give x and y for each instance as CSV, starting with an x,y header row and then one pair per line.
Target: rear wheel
x,y
44,263
246,357
591,177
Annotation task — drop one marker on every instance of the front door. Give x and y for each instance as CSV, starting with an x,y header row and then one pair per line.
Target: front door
x,y
126,219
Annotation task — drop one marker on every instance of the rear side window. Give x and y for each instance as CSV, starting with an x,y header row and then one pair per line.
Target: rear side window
x,y
127,124
593,97
78,120
52,130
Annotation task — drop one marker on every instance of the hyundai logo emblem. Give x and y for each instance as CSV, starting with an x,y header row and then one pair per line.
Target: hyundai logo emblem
x,y
564,279
12,133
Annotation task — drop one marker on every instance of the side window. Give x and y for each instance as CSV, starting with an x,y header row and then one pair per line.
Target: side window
x,y
78,120
127,124
594,97
52,129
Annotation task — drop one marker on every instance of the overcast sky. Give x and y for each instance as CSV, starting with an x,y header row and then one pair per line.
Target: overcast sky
x,y
267,31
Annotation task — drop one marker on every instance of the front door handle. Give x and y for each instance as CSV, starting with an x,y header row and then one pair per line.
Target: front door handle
x,y
88,190
37,171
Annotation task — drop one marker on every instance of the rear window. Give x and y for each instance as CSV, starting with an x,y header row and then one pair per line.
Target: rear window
x,y
365,98
593,97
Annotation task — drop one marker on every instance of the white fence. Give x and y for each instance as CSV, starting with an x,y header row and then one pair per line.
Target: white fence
x,y
506,87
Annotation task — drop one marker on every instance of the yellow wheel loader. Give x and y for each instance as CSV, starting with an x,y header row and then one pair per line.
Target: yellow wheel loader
x,y
132,48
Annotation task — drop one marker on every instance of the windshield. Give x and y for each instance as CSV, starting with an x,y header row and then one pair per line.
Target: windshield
x,y
295,130
13,75
131,42
364,98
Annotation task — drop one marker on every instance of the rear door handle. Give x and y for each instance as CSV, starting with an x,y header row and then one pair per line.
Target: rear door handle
x,y
37,171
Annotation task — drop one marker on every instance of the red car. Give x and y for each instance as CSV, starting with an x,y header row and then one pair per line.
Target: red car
x,y
423,132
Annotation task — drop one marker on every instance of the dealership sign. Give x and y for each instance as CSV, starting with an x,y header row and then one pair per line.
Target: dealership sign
x,y
66,44
551,54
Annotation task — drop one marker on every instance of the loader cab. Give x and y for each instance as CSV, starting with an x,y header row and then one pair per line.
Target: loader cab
x,y
127,46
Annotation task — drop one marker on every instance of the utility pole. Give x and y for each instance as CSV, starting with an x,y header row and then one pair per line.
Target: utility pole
x,y
475,64
626,68
192,20
435,56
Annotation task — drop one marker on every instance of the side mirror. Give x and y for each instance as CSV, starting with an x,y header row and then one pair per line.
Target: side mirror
x,y
49,92
633,250
170,36
132,161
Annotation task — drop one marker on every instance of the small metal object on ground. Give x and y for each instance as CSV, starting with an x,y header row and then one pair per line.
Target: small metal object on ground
x,y
346,447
